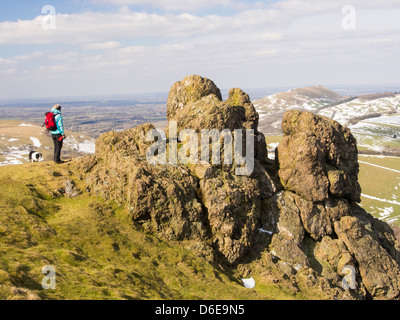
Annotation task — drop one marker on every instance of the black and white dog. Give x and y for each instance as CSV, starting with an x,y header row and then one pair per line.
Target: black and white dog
x,y
35,156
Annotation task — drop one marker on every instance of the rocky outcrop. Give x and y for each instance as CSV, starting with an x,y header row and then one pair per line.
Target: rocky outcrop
x,y
207,202
298,215
196,103
378,270
234,209
318,158
160,198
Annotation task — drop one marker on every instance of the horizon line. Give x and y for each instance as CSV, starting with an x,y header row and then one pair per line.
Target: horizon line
x,y
127,96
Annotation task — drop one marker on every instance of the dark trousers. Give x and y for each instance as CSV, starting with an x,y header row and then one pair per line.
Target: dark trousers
x,y
57,146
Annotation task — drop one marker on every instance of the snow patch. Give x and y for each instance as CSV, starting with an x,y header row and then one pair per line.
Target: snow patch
x,y
385,212
87,147
14,156
265,231
375,165
27,125
36,142
390,120
249,283
379,199
10,162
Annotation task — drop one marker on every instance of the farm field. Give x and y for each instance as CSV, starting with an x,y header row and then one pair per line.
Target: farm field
x,y
380,182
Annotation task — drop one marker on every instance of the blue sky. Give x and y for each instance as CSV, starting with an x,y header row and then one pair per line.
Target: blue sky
x,y
136,46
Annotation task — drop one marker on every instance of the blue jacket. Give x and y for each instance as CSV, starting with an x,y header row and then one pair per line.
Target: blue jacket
x,y
59,121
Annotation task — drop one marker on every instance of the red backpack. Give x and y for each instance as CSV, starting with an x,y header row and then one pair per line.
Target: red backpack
x,y
50,121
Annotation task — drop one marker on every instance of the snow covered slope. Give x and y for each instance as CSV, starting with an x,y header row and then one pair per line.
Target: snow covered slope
x,y
374,118
375,122
350,112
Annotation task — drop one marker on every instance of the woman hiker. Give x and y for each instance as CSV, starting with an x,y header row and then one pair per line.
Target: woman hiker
x,y
59,134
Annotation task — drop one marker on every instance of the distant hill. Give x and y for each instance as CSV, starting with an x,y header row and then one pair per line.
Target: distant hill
x,y
307,97
18,138
271,108
373,118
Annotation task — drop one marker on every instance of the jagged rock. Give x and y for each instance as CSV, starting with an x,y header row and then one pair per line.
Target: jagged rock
x,y
161,198
334,253
318,218
176,202
379,230
296,216
379,272
284,217
196,103
288,251
234,209
195,202
70,190
318,158
190,89
125,143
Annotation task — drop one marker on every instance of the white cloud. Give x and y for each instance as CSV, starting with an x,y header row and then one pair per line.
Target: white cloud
x,y
29,56
102,45
6,62
172,5
285,43
9,71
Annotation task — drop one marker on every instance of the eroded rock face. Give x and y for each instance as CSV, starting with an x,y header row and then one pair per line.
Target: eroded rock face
x,y
318,158
234,207
188,202
378,270
302,214
196,103
191,89
318,164
161,198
